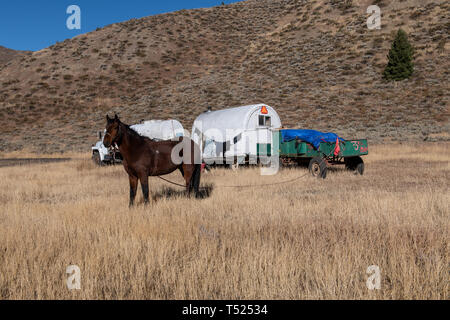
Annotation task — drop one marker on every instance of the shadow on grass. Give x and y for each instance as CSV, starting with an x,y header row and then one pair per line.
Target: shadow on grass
x,y
171,193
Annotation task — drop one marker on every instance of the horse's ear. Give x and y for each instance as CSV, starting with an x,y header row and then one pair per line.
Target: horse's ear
x,y
116,118
108,119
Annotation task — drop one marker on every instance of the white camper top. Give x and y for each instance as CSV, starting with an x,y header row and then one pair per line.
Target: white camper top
x,y
159,129
239,119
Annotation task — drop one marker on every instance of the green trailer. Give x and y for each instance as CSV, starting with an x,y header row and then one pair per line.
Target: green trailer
x,y
298,152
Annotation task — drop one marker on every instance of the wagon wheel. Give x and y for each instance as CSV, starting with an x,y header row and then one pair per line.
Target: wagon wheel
x,y
355,164
360,167
318,168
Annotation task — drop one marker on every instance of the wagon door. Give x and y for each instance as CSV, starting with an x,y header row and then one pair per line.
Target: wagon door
x,y
260,123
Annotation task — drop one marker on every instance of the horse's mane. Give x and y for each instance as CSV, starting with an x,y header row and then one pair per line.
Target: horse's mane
x,y
134,133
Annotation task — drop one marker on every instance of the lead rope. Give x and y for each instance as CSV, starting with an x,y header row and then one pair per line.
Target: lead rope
x,y
174,183
243,186
266,184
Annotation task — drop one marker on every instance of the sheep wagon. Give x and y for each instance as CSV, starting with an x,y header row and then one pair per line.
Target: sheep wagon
x,y
153,129
236,136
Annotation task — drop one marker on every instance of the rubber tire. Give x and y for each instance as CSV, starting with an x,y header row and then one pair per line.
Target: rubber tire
x,y
318,168
96,158
355,164
360,168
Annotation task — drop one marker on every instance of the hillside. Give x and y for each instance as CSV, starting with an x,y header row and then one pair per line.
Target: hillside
x,y
316,62
7,55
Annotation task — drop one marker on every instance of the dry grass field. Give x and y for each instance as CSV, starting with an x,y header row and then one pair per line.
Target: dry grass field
x,y
312,239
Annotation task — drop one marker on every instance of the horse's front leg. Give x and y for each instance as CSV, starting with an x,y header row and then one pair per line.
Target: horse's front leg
x,y
144,185
133,188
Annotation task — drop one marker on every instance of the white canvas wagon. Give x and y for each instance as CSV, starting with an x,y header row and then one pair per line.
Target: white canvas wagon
x,y
236,135
153,129
159,129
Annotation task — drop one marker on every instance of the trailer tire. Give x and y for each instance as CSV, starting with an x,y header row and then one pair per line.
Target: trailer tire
x,y
360,168
318,168
96,158
355,164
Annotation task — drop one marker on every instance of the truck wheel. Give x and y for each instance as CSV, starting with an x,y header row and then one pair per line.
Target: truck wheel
x,y
355,164
96,158
318,168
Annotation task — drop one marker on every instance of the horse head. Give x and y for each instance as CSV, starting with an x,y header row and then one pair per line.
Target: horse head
x,y
113,132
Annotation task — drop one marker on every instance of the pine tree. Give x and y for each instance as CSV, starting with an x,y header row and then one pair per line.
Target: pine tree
x,y
400,65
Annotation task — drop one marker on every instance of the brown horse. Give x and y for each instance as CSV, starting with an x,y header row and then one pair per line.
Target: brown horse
x,y
144,157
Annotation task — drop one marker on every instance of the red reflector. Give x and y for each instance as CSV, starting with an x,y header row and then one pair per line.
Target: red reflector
x,y
264,110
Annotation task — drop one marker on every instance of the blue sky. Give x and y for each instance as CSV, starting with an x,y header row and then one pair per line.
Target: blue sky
x,y
37,24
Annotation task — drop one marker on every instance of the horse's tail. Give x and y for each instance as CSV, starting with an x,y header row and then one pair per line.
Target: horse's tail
x,y
195,179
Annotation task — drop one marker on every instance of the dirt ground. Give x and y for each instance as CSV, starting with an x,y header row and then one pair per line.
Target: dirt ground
x,y
10,162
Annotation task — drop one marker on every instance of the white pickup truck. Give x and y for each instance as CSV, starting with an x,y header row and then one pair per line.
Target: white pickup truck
x,y
102,155
153,129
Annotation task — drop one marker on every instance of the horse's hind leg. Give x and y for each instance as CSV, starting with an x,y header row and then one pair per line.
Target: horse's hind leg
x,y
188,171
144,184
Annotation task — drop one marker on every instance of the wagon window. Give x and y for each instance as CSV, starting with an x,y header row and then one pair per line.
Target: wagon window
x,y
265,121
261,121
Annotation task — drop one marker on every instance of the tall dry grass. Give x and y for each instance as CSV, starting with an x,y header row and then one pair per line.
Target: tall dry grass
x,y
306,240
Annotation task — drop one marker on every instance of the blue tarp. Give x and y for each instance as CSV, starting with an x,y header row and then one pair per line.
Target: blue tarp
x,y
311,136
